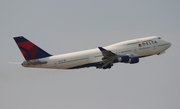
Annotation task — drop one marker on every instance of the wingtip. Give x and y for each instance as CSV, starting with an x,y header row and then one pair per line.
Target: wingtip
x,y
101,48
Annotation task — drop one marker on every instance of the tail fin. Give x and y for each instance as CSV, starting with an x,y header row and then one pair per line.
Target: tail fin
x,y
30,50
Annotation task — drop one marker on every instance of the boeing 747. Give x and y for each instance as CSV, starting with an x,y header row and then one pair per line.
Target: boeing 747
x,y
102,57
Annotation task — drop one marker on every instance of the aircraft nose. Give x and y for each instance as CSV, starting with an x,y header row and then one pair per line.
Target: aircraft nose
x,y
170,44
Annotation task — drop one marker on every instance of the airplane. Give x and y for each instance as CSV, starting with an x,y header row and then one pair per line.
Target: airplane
x,y
101,57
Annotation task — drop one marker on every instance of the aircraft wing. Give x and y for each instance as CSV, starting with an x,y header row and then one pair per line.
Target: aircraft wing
x,y
106,53
108,58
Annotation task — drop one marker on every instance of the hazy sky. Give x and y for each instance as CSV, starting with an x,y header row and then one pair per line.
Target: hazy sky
x,y
62,26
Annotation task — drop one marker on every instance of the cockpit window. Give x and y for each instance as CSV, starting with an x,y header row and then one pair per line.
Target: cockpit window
x,y
159,38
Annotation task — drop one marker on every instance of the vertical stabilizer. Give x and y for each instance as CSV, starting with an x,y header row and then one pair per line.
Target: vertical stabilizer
x,y
30,50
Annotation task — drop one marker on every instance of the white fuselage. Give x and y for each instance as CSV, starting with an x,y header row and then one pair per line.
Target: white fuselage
x,y
141,47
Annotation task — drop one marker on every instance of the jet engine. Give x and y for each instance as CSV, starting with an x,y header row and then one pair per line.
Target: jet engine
x,y
124,58
133,59
128,59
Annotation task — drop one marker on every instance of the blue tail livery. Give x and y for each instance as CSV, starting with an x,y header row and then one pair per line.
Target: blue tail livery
x,y
30,50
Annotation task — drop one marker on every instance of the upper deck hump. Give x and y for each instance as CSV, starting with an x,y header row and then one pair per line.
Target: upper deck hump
x,y
133,41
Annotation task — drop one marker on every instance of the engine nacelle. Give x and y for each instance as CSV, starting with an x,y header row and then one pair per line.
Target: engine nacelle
x,y
133,59
124,58
128,59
